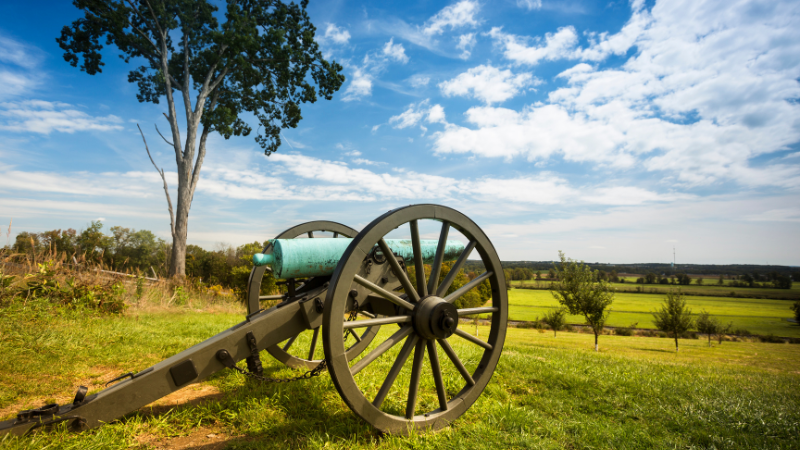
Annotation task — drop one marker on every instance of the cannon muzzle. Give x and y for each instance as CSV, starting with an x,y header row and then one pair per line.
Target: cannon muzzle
x,y
300,258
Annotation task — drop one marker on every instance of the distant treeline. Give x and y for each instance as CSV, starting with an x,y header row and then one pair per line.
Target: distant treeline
x,y
757,272
129,250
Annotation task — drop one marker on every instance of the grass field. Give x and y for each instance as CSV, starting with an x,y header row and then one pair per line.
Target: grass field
x,y
709,289
547,393
759,316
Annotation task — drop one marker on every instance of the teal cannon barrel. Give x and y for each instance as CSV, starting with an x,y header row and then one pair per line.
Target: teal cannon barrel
x,y
300,258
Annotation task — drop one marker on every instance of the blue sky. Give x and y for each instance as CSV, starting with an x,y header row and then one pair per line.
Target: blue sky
x,y
610,130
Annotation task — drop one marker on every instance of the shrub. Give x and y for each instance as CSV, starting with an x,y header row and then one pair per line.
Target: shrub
x,y
180,296
626,331
741,332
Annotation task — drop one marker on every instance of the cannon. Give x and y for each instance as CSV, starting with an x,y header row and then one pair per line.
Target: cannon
x,y
353,289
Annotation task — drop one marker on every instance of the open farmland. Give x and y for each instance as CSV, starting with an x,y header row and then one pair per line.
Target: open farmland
x,y
546,393
759,316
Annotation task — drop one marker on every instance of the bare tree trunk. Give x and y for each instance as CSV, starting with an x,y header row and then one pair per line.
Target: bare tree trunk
x,y
676,342
177,266
595,342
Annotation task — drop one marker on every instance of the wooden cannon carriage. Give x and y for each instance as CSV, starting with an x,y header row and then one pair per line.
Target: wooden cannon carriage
x,y
355,293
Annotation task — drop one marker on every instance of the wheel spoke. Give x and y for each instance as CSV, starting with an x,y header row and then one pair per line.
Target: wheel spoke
x,y
456,362
448,280
379,321
367,314
291,341
473,339
471,311
398,336
383,292
335,234
398,271
436,268
395,370
437,374
468,287
311,235
419,267
313,344
355,335
416,371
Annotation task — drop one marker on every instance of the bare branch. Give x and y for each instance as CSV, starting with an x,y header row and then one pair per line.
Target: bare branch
x,y
162,136
164,179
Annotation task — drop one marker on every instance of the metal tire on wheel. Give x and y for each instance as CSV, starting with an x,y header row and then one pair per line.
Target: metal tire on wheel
x,y
463,386
304,362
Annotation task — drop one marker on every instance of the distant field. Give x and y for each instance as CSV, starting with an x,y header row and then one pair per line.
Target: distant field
x,y
707,289
759,316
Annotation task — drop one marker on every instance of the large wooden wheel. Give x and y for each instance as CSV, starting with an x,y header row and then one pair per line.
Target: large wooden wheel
x,y
399,398
302,350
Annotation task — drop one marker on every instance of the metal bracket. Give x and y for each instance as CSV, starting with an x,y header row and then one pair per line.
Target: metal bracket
x,y
311,313
253,361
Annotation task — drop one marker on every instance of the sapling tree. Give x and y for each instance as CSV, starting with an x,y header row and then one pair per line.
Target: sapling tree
x,y
257,59
582,294
556,319
708,325
674,317
796,308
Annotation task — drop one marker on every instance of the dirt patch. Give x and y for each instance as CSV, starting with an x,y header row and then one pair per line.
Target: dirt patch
x,y
190,395
201,439
97,378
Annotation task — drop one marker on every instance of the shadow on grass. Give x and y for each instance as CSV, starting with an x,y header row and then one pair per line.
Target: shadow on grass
x,y
656,350
263,415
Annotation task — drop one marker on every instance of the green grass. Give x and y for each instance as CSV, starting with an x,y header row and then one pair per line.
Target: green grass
x,y
710,289
547,393
759,316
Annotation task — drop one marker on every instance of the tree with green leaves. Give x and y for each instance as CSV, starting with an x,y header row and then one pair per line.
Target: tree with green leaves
x,y
796,308
708,325
674,317
582,294
261,60
556,319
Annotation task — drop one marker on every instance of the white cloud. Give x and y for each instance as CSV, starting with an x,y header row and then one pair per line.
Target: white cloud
x,y
455,16
16,83
415,113
38,116
407,118
488,84
20,73
360,86
704,94
529,4
465,43
419,81
336,34
19,54
554,46
395,52
436,114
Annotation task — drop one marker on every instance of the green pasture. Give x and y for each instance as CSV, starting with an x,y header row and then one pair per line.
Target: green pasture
x,y
547,393
759,316
693,289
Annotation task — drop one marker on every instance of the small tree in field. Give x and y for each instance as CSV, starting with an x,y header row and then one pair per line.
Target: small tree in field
x,y
722,331
708,325
578,290
673,317
556,319
796,308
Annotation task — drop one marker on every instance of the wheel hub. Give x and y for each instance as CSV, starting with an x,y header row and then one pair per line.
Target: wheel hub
x,y
434,318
